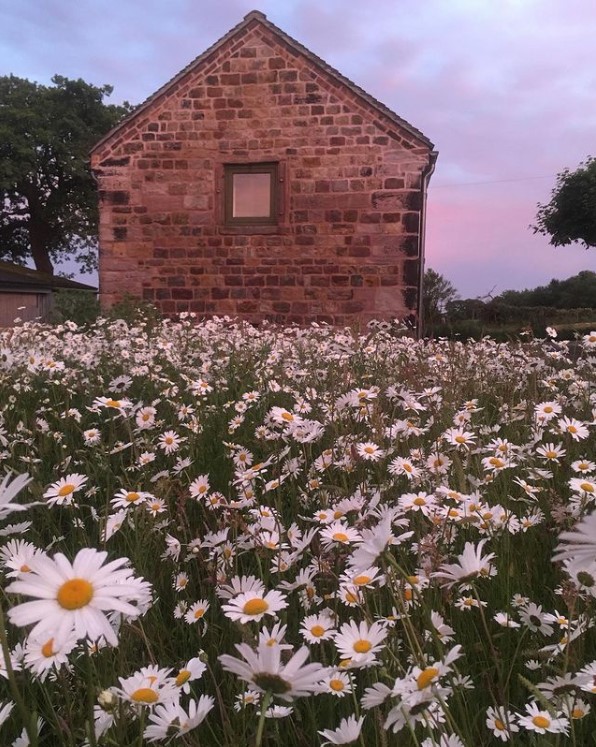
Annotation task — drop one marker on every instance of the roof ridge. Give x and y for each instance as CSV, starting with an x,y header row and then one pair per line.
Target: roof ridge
x,y
260,18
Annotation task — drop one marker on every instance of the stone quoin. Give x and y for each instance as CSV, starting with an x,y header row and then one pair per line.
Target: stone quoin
x,y
261,183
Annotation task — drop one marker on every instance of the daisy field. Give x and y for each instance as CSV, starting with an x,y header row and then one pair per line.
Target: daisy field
x,y
215,534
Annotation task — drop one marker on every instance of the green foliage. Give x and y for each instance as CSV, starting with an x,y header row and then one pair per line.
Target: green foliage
x,y
570,215
48,201
134,310
568,305
78,306
575,292
437,293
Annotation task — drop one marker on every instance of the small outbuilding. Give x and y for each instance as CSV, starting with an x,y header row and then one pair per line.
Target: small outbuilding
x,y
262,183
28,294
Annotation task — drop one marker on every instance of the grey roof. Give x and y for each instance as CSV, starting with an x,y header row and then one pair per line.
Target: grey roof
x,y
258,17
16,277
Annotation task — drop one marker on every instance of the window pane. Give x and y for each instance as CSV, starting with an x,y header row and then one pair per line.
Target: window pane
x,y
251,196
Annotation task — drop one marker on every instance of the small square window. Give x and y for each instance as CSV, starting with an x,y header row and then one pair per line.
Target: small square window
x,y
250,193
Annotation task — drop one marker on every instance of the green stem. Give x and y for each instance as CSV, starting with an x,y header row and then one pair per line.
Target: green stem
x,y
261,726
90,699
28,717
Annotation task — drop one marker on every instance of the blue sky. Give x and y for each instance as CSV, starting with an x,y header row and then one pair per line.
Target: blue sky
x,y
504,88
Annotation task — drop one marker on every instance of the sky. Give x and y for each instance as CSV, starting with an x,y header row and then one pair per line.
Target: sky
x,y
505,89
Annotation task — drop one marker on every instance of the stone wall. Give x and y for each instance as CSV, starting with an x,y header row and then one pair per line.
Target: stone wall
x,y
347,244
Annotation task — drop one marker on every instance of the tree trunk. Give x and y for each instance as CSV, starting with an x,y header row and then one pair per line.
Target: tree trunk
x,y
39,252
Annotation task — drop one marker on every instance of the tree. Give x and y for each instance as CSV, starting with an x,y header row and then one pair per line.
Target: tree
x,y
571,213
576,292
437,292
48,198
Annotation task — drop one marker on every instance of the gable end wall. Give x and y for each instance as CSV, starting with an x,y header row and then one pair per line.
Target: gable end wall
x,y
347,245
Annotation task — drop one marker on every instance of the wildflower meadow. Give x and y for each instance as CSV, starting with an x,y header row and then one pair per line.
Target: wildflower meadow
x,y
215,534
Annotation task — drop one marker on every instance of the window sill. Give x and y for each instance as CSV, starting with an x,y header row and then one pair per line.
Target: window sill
x,y
250,230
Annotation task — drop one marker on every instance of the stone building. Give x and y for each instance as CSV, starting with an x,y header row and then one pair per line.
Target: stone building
x,y
261,183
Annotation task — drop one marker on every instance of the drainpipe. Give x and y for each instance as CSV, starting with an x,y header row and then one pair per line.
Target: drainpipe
x,y
427,172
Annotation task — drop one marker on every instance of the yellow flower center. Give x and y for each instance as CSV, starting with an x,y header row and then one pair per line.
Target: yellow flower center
x,y
426,677
577,712
132,497
542,722
144,695
587,487
351,598
113,403
255,607
199,613
460,439
66,490
183,676
362,646
336,685
496,462
361,580
287,416
337,514
548,409
317,630
419,501
551,454
340,537
25,568
47,649
74,594
500,725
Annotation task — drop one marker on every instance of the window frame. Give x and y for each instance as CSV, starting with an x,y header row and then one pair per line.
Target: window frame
x,y
262,167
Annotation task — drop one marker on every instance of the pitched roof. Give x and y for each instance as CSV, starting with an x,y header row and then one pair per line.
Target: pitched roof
x,y
16,277
260,18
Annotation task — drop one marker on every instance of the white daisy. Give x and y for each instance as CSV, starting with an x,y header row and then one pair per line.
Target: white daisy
x,y
76,596
347,732
148,687
253,606
170,719
360,642
62,492
264,671
8,491
192,670
44,653
542,722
